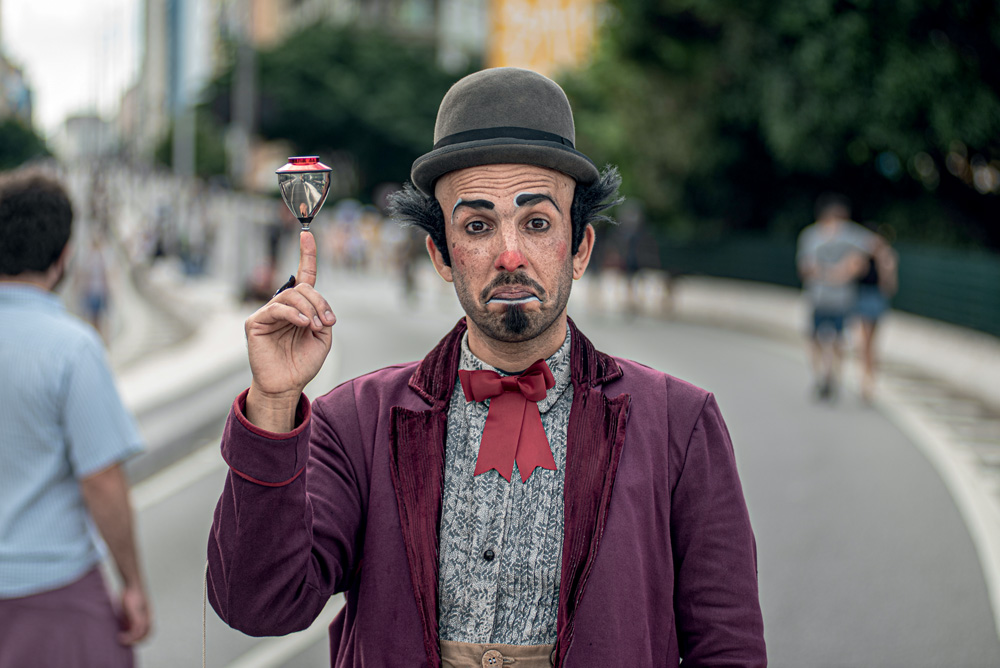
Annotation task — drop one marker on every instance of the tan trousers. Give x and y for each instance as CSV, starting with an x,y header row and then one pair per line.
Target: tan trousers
x,y
475,655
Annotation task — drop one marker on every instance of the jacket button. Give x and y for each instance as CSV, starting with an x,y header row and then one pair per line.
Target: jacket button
x,y
492,659
488,555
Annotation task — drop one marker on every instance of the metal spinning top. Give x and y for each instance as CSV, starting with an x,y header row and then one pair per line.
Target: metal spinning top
x,y
304,183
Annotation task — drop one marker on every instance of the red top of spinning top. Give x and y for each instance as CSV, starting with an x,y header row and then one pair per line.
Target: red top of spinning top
x,y
304,163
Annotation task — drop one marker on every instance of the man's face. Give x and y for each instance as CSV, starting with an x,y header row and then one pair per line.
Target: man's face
x,y
509,235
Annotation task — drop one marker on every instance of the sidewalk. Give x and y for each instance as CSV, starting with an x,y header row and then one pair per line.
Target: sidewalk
x,y
180,359
152,372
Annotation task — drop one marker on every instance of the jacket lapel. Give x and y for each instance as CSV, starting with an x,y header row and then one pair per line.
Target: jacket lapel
x,y
595,440
417,440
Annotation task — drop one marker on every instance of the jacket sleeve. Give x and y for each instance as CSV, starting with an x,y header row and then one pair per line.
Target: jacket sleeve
x,y
715,556
278,548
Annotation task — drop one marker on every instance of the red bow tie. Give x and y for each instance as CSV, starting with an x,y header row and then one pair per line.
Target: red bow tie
x,y
514,428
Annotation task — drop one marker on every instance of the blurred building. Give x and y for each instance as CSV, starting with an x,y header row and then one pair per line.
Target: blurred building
x,y
271,21
462,30
179,57
15,96
541,35
85,137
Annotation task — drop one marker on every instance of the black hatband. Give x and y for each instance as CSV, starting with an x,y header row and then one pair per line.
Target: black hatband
x,y
502,133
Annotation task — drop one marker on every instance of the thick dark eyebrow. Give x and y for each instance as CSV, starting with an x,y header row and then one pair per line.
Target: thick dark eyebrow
x,y
472,204
524,199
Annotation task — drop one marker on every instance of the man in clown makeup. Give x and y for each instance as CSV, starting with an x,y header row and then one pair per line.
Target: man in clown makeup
x,y
516,497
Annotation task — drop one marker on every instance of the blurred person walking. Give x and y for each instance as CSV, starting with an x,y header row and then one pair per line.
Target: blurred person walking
x,y
640,252
92,274
876,287
64,434
409,253
831,257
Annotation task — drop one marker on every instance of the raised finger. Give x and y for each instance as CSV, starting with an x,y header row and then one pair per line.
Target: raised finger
x,y
307,259
321,306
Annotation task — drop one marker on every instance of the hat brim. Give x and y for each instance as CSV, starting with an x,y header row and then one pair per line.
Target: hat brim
x,y
429,167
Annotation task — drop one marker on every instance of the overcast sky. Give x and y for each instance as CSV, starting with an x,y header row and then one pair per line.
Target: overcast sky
x,y
77,55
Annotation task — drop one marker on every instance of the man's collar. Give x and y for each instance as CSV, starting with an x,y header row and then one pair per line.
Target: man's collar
x,y
558,364
434,378
24,292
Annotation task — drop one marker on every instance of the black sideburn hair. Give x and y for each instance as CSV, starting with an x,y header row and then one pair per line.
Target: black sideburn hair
x,y
411,208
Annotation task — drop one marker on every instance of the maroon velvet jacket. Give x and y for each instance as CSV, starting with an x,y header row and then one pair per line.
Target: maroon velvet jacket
x,y
658,563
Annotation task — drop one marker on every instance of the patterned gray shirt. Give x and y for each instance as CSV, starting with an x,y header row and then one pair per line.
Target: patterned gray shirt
x,y
501,542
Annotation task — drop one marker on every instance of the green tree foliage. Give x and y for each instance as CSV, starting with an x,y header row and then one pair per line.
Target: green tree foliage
x,y
19,144
363,91
735,114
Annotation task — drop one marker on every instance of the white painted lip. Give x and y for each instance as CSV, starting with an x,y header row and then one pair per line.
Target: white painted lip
x,y
518,300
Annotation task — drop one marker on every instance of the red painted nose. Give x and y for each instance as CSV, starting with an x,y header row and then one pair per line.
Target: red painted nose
x,y
510,260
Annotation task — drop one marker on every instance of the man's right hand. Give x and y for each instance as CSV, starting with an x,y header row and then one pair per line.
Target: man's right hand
x,y
136,620
288,340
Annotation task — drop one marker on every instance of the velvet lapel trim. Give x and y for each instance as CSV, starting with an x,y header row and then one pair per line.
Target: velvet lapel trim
x,y
435,376
417,468
417,440
595,440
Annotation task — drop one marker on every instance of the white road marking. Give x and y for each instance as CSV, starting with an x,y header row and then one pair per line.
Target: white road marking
x,y
968,488
203,462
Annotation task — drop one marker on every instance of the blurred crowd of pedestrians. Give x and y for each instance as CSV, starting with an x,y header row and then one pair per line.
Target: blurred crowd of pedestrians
x,y
351,235
132,220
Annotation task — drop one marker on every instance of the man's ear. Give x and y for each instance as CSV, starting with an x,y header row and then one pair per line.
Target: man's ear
x,y
57,271
66,255
443,270
582,257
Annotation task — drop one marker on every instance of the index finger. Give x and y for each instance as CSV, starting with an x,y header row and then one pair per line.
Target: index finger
x,y
307,259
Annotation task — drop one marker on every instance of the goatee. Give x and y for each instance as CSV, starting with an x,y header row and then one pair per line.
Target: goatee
x,y
515,320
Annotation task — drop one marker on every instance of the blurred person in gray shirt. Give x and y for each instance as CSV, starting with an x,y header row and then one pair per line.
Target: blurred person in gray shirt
x,y
832,254
64,434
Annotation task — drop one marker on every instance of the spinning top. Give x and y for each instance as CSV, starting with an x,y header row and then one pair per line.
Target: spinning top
x,y
304,183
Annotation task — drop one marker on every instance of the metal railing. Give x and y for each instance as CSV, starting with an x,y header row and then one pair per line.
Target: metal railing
x,y
956,286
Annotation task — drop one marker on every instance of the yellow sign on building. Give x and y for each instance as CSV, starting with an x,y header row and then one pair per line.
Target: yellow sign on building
x,y
541,35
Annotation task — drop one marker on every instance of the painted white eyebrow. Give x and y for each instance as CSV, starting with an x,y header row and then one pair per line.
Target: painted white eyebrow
x,y
472,203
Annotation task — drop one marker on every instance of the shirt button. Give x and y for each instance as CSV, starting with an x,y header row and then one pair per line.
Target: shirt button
x,y
488,555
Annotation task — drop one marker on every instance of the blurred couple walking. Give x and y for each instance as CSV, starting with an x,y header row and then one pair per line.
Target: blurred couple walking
x,y
849,273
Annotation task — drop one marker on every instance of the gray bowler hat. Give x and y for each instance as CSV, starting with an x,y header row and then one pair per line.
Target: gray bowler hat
x,y
503,115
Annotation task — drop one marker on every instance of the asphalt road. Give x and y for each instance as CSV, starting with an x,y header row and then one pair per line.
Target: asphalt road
x,y
863,558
